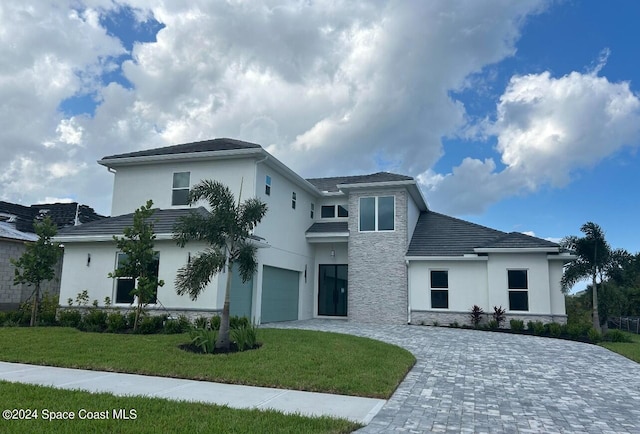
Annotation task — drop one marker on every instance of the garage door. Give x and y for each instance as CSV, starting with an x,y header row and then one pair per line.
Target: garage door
x,y
279,294
241,295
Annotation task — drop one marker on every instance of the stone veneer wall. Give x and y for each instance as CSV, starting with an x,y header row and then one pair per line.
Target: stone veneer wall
x,y
377,270
191,314
12,295
447,318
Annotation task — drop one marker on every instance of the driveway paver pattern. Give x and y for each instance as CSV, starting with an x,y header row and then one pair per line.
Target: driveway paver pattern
x,y
468,381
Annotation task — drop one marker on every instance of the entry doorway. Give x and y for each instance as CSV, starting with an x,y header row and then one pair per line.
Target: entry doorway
x,y
332,290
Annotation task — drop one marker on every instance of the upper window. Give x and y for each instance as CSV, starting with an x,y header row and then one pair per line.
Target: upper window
x,y
327,211
293,200
439,279
332,211
377,213
267,186
313,210
342,211
517,279
180,192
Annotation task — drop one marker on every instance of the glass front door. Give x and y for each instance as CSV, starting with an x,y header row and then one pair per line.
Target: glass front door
x,y
332,290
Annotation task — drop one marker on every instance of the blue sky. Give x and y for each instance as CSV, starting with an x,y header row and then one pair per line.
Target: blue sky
x,y
522,116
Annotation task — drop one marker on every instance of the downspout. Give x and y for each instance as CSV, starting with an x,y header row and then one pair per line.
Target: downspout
x,y
406,262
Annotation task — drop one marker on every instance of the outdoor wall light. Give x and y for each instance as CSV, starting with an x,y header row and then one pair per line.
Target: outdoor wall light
x,y
88,259
333,253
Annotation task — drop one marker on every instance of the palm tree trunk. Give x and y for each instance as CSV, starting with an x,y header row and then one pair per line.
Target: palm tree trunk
x,y
596,316
223,334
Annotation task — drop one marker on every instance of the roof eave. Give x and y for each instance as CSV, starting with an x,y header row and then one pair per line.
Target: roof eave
x,y
409,184
517,250
409,258
208,155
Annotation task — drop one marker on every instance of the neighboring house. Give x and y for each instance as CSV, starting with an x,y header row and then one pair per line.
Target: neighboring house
x,y
16,229
366,248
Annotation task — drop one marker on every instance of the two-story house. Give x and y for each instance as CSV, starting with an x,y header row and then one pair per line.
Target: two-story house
x,y
366,248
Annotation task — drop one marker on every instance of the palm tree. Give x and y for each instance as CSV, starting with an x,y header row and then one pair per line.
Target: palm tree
x,y
226,230
594,258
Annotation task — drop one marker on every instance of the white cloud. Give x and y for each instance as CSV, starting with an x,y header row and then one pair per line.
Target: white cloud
x,y
546,129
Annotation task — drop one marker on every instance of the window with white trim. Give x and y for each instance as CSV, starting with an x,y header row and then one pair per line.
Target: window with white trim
x,y
331,211
439,289
293,200
180,190
518,283
267,185
313,210
126,285
377,213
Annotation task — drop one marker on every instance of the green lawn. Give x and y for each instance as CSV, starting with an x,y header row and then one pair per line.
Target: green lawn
x,y
629,350
291,359
152,415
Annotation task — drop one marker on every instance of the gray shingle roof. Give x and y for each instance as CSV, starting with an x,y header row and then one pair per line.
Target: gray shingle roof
x,y
440,235
518,240
331,184
328,227
8,232
222,144
164,221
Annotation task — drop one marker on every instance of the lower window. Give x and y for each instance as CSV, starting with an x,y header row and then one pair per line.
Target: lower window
x,y
126,285
440,298
518,300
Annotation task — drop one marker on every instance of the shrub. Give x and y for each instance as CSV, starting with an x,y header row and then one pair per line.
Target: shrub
x,y
536,327
616,336
116,322
436,324
499,315
201,323
236,322
493,324
82,299
22,316
594,335
215,322
3,318
175,326
577,331
131,319
476,315
455,324
48,307
203,338
245,337
151,324
69,318
94,321
555,329
517,325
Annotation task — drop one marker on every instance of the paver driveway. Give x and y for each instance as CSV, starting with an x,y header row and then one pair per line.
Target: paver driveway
x,y
473,381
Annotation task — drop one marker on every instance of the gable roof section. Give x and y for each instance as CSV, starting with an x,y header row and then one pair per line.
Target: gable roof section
x,y
222,144
518,240
441,235
164,220
331,184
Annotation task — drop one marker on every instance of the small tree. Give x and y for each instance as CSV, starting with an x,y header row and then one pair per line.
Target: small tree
x,y
36,263
594,259
226,230
137,245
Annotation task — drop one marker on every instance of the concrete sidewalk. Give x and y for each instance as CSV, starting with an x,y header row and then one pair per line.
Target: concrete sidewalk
x,y
354,408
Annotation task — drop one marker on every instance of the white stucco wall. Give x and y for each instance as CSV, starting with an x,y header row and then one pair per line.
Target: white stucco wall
x,y
134,185
467,284
557,297
77,276
537,267
284,229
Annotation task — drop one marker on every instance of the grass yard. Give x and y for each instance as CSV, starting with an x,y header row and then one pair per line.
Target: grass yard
x,y
290,359
152,415
629,350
